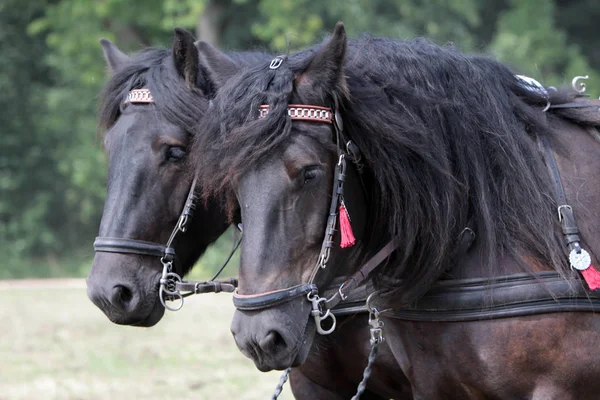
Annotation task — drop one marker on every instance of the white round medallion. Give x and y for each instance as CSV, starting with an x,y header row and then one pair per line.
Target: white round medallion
x,y
580,260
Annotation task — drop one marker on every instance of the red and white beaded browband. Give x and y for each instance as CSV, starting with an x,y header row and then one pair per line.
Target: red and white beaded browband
x,y
303,112
139,96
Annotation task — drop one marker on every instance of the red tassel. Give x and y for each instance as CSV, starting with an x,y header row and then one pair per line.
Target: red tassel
x,y
348,239
592,277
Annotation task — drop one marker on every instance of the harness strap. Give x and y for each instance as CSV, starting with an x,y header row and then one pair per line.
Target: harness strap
x,y
212,286
515,295
587,104
363,272
336,193
565,211
259,301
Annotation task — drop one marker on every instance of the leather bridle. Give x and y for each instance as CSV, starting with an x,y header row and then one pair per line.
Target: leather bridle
x,y
172,286
321,306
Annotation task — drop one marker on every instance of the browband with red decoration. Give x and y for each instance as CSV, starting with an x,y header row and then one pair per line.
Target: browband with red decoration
x,y
303,112
139,96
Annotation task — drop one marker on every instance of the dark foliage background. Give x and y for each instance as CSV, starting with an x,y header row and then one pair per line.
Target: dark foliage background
x,y
52,169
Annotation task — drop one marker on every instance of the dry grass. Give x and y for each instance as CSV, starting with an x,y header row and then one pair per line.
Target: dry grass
x,y
55,344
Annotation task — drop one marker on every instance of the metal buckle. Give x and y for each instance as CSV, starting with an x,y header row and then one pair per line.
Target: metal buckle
x,y
566,206
276,62
342,295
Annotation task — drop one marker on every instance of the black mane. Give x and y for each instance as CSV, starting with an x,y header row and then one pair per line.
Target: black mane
x,y
153,68
448,140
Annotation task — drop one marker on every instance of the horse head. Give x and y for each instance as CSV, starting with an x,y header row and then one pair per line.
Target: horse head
x,y
148,109
273,148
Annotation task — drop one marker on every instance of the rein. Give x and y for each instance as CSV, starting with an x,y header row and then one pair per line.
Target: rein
x,y
172,286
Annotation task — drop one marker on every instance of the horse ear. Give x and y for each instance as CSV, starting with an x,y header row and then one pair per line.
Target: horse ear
x,y
219,68
185,57
114,57
324,73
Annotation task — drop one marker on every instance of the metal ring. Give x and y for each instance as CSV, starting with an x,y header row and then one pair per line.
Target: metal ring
x,y
320,329
579,86
547,106
176,297
369,299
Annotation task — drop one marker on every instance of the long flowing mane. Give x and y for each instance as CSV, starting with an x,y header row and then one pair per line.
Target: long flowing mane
x,y
449,141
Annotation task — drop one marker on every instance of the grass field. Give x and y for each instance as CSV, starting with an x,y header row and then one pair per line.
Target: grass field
x,y
55,344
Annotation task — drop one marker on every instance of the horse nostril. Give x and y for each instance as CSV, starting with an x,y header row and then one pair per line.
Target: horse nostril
x,y
273,343
121,297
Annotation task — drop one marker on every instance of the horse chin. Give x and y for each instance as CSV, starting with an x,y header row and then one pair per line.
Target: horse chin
x,y
293,359
253,334
150,319
154,317
305,345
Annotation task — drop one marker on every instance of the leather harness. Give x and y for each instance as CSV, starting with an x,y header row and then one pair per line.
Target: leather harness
x,y
448,300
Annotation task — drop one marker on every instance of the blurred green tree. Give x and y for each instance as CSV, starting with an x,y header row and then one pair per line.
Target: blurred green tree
x,y
52,169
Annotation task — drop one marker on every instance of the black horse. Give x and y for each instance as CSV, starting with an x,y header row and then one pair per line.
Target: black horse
x,y
449,147
147,145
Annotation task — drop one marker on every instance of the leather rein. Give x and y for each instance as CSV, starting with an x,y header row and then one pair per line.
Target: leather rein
x,y
172,286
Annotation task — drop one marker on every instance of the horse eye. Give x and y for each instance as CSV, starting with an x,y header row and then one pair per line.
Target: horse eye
x,y
175,153
310,174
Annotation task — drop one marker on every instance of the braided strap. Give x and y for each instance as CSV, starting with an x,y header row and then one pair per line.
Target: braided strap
x,y
303,112
139,96
282,381
362,386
